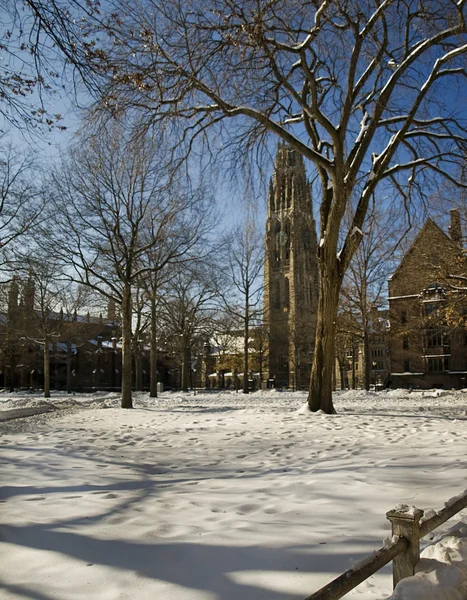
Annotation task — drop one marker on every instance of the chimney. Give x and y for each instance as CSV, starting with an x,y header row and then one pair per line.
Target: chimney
x,y
455,229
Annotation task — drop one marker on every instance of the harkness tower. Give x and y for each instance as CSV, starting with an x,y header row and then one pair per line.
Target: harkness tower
x,y
290,272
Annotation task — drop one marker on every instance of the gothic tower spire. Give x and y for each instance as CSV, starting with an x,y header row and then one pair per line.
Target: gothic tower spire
x,y
291,271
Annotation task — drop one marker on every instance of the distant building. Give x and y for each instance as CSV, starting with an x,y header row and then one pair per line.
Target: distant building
x,y
290,272
85,351
427,344
350,362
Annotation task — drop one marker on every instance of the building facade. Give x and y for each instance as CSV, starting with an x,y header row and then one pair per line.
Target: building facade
x,y
350,362
428,343
290,272
84,351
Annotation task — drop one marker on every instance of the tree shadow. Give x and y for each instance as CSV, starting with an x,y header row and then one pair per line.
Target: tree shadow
x,y
221,570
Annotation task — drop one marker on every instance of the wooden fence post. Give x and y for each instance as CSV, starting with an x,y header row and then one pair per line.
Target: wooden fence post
x,y
405,522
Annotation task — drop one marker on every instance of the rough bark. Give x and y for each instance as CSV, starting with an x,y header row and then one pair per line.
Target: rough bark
x,y
138,372
320,393
127,400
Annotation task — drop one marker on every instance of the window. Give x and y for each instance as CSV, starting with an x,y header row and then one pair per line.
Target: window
x,y
429,308
436,338
407,366
438,365
405,342
404,316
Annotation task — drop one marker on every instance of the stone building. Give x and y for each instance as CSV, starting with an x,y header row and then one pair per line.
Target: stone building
x,y
290,272
85,351
427,340
350,362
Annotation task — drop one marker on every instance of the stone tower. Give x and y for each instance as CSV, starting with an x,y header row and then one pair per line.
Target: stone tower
x,y
290,272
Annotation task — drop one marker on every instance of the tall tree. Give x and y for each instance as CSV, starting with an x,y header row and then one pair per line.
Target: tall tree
x,y
357,88
187,305
172,247
245,263
113,203
363,291
43,297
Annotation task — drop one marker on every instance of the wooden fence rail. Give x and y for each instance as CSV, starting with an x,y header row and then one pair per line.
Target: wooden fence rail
x,y
408,528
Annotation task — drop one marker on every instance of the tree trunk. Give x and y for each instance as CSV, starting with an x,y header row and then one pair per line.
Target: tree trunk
x,y
68,370
320,393
354,379
246,389
366,358
260,367
185,366
153,350
127,401
138,371
46,368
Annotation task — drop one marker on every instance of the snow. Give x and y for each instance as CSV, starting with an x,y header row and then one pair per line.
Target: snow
x,y
441,573
363,127
356,230
221,495
406,509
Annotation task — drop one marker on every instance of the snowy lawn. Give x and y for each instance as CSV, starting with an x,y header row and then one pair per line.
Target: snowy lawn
x,y
216,496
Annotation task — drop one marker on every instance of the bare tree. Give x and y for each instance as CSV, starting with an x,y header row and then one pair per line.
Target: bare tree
x,y
173,246
45,293
20,195
245,262
187,304
76,300
113,203
38,42
354,87
363,291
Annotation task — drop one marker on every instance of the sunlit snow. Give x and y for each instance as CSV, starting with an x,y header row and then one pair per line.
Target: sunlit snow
x,y
220,496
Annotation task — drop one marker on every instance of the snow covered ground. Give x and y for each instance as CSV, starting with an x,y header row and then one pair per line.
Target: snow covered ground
x,y
216,496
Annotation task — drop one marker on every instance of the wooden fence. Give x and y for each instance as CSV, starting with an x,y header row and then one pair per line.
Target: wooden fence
x,y
408,528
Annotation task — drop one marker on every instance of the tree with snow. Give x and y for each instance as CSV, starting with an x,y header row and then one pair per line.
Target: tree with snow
x,y
370,93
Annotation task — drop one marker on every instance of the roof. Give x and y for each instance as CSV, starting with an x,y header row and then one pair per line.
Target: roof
x,y
428,223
